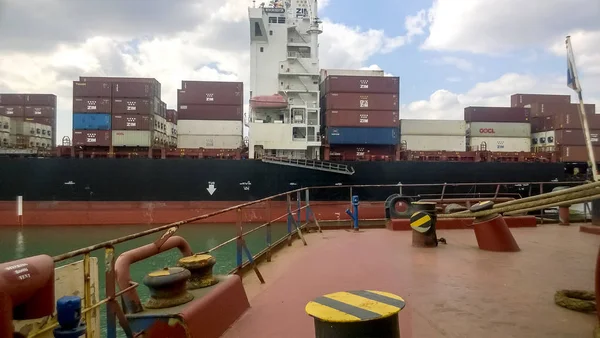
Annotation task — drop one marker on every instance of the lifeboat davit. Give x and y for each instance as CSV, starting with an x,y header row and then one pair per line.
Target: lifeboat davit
x,y
269,101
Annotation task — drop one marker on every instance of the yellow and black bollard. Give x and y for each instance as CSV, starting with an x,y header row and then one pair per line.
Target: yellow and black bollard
x,y
354,314
422,221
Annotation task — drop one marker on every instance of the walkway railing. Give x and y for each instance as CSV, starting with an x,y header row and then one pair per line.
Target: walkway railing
x,y
295,226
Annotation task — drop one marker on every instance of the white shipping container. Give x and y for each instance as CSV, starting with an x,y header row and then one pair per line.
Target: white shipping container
x,y
499,129
19,127
499,143
4,139
433,127
206,127
349,72
209,141
170,129
160,123
134,138
4,124
434,143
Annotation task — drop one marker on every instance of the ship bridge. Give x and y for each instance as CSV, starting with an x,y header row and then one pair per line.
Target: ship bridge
x,y
337,168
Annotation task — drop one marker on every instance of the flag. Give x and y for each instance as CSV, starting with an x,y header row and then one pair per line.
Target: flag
x,y
571,80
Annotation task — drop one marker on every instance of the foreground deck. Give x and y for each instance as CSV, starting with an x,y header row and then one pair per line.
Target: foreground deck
x,y
455,290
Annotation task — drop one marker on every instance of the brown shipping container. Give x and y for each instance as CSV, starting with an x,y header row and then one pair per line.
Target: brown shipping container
x,y
547,109
92,138
210,112
40,100
520,100
157,85
497,114
568,121
133,106
141,90
211,93
361,118
91,105
575,137
47,112
353,101
212,85
171,115
576,153
91,89
361,84
351,153
132,122
10,111
12,99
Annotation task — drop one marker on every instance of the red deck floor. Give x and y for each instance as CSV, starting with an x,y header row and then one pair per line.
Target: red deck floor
x,y
455,290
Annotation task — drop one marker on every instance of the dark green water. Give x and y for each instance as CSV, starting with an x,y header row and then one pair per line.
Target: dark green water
x,y
18,243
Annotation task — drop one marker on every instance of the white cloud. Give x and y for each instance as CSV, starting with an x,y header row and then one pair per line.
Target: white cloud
x,y
586,47
460,63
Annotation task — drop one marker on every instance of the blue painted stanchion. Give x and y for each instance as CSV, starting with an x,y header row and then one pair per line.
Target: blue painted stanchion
x,y
354,214
68,313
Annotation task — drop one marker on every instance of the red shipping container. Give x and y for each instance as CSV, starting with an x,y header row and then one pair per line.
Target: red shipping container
x,y
361,118
91,89
569,121
520,100
497,114
353,101
47,112
353,153
92,138
133,106
40,100
12,99
132,122
211,93
91,105
141,90
548,109
361,84
575,137
210,112
12,111
171,115
153,81
575,153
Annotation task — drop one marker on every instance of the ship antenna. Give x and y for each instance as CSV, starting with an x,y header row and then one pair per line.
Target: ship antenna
x,y
254,3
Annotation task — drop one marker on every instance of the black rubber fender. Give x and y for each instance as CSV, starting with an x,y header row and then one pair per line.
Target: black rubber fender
x,y
391,206
387,205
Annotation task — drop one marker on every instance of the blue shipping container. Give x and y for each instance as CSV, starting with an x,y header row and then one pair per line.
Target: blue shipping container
x,y
91,121
358,135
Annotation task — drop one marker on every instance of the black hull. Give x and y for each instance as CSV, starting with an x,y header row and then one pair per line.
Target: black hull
x,y
57,179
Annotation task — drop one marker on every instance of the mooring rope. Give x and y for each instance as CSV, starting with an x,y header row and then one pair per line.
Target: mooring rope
x,y
578,300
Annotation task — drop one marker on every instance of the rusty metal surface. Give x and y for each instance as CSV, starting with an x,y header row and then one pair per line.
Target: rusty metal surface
x,y
201,269
167,288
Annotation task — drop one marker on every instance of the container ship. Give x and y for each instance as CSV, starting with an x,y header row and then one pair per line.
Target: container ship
x,y
132,160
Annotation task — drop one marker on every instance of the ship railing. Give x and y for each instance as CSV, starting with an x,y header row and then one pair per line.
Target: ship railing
x,y
293,217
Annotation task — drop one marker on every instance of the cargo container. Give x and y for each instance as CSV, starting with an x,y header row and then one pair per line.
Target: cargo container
x,y
5,123
520,100
361,84
42,120
209,141
4,139
171,116
570,137
361,118
564,121
499,129
497,114
353,101
210,112
433,127
153,81
92,89
357,135
91,121
433,142
12,99
46,112
133,106
40,100
91,105
163,110
350,72
22,127
212,86
549,109
139,90
132,122
25,141
210,96
160,124
95,138
574,153
12,111
136,138
212,127
502,144
357,153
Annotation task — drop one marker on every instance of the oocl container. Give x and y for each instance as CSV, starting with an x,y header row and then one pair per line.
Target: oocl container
x,y
497,114
12,111
520,100
354,135
136,138
354,101
361,84
46,112
358,118
433,143
91,105
433,127
502,144
209,141
133,106
91,121
99,138
92,89
499,129
210,112
209,127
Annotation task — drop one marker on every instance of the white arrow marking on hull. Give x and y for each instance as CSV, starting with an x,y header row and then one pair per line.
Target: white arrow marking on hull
x,y
211,188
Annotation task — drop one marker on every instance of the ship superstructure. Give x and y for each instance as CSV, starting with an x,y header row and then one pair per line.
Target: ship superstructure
x,y
284,80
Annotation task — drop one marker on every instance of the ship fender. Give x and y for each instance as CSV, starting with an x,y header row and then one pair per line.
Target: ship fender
x,y
391,203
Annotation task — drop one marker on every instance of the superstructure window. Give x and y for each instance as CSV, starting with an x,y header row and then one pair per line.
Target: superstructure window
x,y
281,19
272,19
270,32
257,30
262,49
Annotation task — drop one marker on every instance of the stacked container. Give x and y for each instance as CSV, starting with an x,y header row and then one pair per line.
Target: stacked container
x,y
360,116
172,127
433,135
118,112
498,129
210,115
32,120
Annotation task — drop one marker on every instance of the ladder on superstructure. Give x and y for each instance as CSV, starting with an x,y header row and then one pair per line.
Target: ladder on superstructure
x,y
311,164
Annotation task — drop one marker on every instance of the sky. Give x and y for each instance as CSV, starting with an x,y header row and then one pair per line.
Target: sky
x,y
449,54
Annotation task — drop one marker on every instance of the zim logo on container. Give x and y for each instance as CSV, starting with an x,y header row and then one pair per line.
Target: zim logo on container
x,y
487,131
210,97
364,84
364,103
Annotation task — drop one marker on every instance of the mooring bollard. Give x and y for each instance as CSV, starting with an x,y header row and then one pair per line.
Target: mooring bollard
x,y
354,314
423,222
354,214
